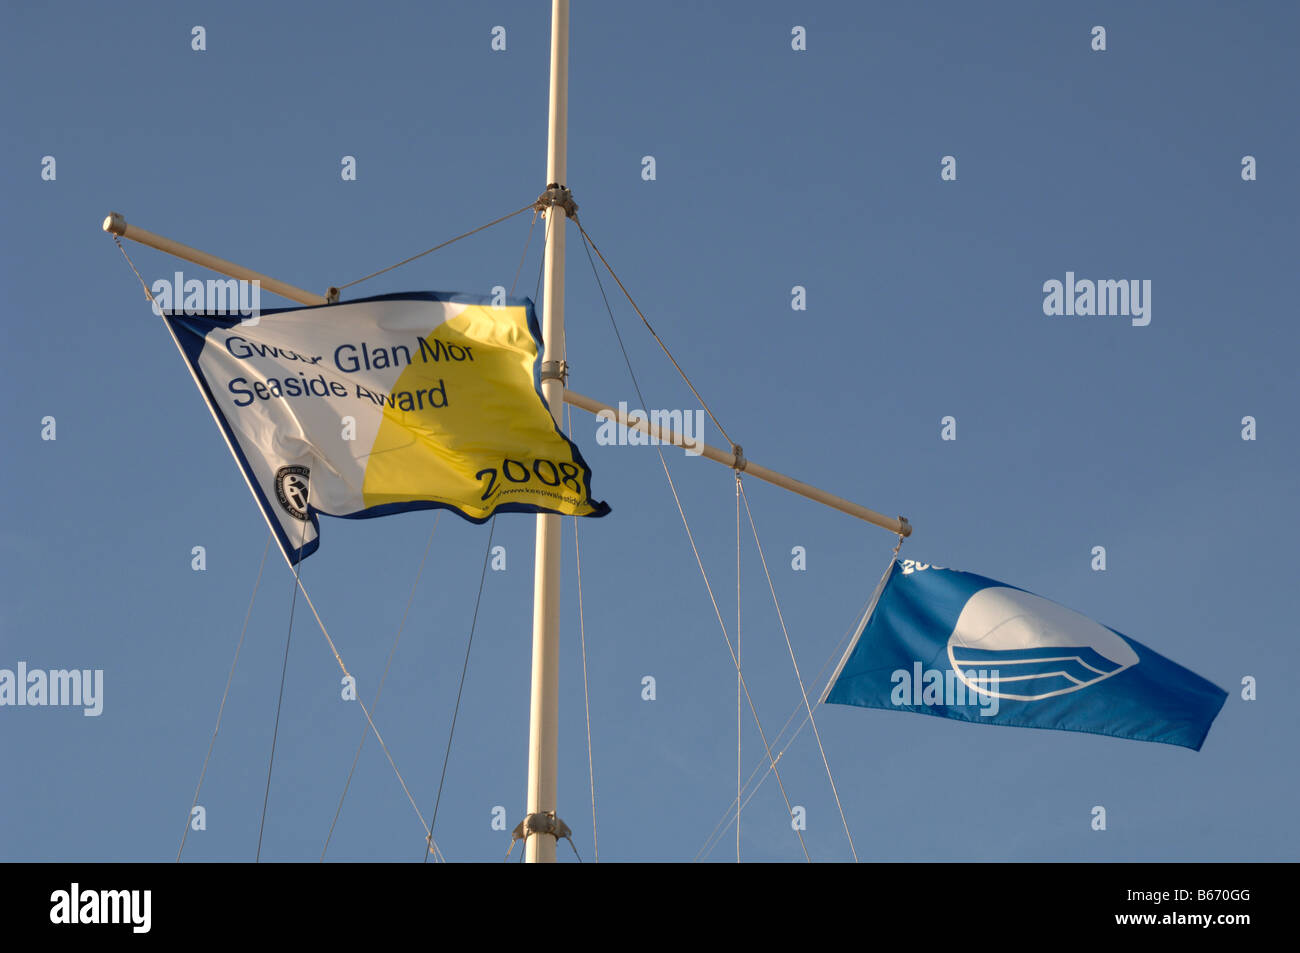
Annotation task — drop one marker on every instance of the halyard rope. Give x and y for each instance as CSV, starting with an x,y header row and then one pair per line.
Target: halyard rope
x,y
698,561
836,653
446,758
428,251
221,710
586,696
802,690
299,586
592,247
379,691
284,670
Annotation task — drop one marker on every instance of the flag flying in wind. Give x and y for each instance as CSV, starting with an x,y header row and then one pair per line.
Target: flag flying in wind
x,y
386,404
958,645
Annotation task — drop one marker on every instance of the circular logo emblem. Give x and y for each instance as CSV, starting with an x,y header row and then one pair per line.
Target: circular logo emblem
x,y
1013,644
291,488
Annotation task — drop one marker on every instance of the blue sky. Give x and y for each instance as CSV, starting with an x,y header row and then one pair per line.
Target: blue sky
x,y
775,168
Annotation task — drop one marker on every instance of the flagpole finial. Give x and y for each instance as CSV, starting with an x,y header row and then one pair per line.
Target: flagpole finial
x,y
115,224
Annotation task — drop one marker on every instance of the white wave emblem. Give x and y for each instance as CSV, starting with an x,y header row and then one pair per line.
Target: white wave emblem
x,y
1037,648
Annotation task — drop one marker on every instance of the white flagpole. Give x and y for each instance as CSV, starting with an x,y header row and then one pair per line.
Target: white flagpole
x,y
543,729
115,224
541,826
731,458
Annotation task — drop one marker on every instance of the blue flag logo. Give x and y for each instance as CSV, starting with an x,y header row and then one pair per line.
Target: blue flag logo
x,y
958,645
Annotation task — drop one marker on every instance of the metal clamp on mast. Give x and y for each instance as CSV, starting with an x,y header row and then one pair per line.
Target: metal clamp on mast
x,y
557,195
541,823
556,371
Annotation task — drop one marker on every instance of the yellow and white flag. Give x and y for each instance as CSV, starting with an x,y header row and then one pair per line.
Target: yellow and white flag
x,y
386,404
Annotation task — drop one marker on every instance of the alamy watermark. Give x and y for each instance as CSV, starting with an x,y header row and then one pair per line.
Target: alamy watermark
x,y
686,425
935,687
80,688
75,905
228,296
1084,297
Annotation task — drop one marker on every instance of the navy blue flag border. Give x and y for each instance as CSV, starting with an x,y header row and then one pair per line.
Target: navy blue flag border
x,y
190,338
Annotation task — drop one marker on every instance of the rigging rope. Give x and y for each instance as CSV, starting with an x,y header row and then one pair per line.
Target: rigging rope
x,y
586,697
407,261
220,710
541,263
365,733
802,690
527,241
122,248
370,721
735,661
464,668
691,537
836,653
284,670
288,636
591,245
738,711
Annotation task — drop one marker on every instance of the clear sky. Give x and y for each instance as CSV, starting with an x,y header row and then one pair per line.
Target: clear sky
x,y
774,168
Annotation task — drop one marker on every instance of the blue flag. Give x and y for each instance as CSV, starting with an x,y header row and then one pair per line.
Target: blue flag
x,y
957,645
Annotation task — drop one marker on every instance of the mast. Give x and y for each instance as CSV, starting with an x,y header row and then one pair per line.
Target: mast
x,y
541,828
543,728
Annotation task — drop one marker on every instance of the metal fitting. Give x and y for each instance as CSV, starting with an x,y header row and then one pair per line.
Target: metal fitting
x,y
557,195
